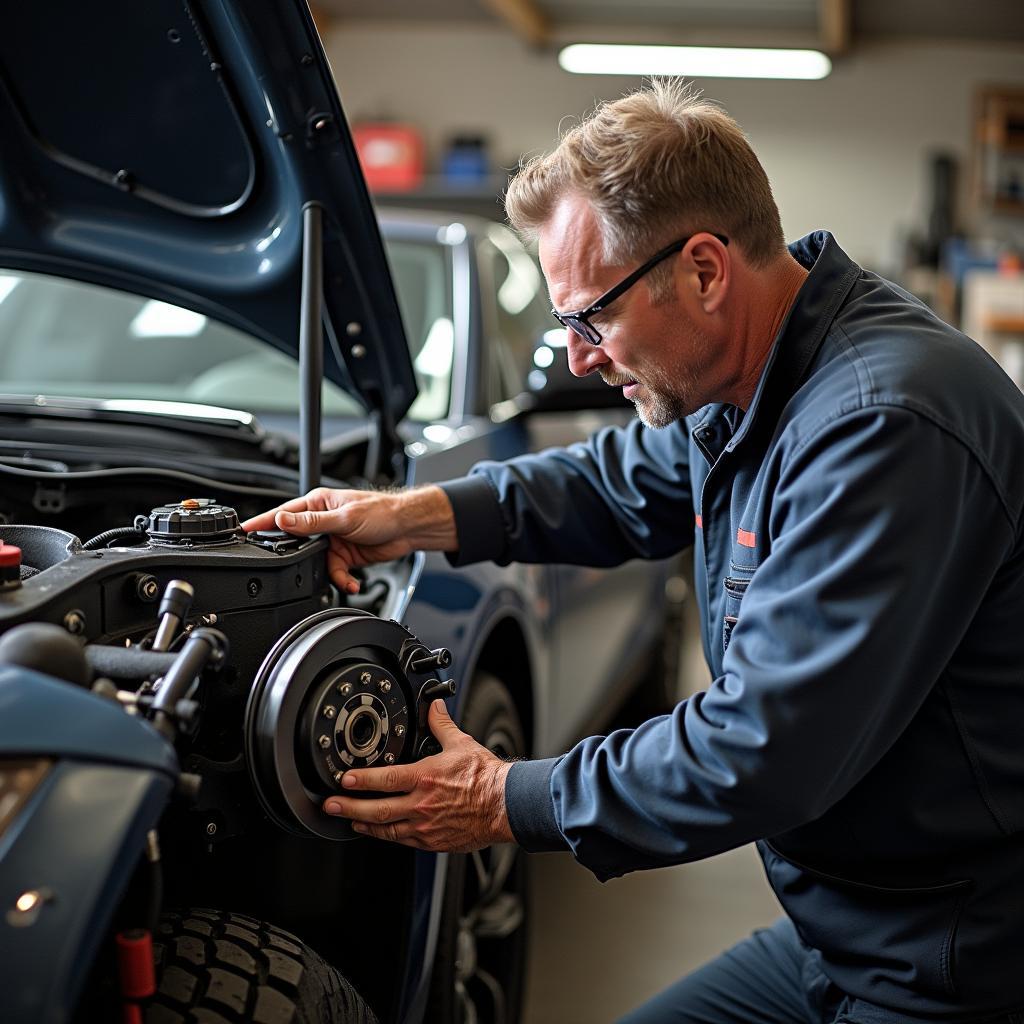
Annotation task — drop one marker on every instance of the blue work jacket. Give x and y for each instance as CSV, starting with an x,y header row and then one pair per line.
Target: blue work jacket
x,y
860,580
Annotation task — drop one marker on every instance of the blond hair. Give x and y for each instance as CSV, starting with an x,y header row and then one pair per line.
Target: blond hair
x,y
659,163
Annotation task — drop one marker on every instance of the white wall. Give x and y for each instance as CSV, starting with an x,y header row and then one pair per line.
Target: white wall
x,y
848,153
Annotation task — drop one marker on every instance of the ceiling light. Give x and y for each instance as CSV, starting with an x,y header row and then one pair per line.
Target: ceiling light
x,y
693,61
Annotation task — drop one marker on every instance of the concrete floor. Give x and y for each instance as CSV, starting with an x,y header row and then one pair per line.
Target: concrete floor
x,y
597,950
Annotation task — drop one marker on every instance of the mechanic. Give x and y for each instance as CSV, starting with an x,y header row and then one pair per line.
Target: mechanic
x,y
845,466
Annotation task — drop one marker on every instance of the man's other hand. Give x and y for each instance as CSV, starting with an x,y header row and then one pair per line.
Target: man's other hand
x,y
365,526
453,801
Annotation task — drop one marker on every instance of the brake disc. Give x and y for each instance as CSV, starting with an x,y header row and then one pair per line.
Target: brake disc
x,y
338,691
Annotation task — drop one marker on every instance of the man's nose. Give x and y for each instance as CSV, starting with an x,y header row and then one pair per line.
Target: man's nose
x,y
584,358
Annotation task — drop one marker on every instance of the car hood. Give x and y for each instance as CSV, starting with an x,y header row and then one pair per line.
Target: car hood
x,y
167,148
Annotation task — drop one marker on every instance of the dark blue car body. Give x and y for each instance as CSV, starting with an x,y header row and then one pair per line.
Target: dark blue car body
x,y
171,167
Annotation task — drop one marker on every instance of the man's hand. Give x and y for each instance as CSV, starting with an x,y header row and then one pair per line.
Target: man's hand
x,y
453,801
366,526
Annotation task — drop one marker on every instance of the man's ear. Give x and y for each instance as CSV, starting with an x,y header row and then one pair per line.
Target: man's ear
x,y
710,269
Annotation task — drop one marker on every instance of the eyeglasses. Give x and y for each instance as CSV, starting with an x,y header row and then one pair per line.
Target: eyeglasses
x,y
579,322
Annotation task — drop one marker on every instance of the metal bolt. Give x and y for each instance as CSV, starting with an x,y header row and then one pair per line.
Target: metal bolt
x,y
353,328
211,828
345,689
358,351
324,741
330,711
338,776
147,588
253,587
389,758
399,731
385,686
306,59
365,679
74,622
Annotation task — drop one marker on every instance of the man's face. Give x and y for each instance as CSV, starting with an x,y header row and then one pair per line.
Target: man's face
x,y
656,353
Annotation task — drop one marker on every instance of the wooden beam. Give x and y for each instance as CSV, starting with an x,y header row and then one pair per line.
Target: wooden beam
x,y
321,18
834,25
524,17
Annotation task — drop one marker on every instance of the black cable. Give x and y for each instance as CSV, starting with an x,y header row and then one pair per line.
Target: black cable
x,y
102,540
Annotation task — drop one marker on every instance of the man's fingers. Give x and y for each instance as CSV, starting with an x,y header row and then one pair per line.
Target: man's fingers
x,y
441,725
399,832
399,779
374,812
266,520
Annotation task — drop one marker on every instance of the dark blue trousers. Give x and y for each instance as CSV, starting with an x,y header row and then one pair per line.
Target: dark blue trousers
x,y
770,978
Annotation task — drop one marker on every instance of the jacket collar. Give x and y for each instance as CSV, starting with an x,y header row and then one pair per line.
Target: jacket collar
x,y
830,278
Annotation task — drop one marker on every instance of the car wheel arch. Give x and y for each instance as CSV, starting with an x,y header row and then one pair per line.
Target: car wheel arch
x,y
505,654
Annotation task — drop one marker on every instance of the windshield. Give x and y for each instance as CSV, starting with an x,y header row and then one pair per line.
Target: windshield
x,y
65,338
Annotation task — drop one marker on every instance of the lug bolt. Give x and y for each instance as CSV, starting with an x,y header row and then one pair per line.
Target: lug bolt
x,y
385,686
330,711
399,731
324,741
389,758
365,679
74,622
345,689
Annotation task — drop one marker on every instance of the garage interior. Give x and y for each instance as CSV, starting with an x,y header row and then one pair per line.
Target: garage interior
x,y
911,151
905,139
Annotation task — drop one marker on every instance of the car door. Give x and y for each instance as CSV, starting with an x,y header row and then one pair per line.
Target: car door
x,y
598,613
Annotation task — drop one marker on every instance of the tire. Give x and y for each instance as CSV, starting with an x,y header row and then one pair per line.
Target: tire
x,y
480,963
219,968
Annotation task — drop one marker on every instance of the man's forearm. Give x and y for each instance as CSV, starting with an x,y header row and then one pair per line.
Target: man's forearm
x,y
427,519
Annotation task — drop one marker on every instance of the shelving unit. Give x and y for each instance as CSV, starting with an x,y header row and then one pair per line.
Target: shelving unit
x,y
481,198
999,151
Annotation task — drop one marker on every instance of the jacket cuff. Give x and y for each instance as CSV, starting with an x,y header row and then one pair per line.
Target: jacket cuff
x,y
530,809
478,522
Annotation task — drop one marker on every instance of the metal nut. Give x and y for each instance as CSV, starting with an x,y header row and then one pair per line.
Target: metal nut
x,y
330,711
338,776
74,622
385,686
345,689
399,731
365,678
324,741
389,758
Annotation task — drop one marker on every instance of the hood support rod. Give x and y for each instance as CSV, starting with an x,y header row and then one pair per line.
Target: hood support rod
x,y
311,346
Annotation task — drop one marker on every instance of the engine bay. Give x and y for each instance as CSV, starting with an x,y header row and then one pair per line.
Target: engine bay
x,y
290,687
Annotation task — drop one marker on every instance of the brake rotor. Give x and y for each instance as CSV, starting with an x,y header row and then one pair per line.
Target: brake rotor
x,y
336,692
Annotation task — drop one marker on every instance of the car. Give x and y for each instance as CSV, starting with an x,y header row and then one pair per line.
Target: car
x,y
198,320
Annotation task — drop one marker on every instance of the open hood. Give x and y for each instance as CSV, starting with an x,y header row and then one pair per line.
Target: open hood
x,y
168,147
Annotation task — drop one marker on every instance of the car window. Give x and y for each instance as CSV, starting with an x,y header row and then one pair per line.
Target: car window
x,y
421,271
519,304
69,338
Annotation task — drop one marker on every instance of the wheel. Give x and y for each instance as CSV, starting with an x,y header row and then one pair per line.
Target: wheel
x,y
214,967
480,965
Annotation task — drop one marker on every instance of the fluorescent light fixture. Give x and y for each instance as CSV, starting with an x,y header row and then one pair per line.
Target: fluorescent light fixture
x,y
693,61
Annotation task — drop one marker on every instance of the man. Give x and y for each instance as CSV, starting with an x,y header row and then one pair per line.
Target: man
x,y
846,467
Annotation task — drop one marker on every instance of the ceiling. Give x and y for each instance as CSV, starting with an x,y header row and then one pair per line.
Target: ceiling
x,y
836,25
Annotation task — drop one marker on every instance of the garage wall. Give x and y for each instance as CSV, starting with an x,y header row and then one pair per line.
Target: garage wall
x,y
848,153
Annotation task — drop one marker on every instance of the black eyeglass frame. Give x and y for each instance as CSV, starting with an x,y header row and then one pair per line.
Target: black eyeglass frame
x,y
579,321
